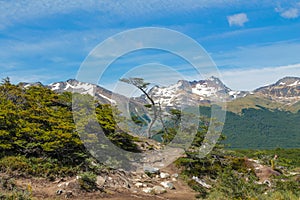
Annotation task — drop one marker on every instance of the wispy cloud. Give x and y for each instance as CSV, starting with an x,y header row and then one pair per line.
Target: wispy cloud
x,y
250,79
260,55
236,33
237,19
22,10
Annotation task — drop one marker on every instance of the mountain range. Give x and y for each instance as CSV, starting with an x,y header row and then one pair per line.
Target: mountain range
x,y
283,95
267,117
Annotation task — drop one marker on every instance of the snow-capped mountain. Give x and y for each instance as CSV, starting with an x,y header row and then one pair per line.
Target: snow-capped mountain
x,y
26,85
193,93
286,90
72,85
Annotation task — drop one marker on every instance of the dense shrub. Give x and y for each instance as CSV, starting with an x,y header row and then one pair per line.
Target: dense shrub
x,y
37,130
87,181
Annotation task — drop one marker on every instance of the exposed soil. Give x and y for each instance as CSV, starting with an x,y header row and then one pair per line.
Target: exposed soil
x,y
45,189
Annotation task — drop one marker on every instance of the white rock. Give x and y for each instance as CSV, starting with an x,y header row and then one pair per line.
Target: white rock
x,y
147,190
201,182
100,181
168,185
175,175
151,170
164,175
139,185
158,190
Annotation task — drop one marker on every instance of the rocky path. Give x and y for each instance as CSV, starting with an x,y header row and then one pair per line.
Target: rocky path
x,y
157,179
118,185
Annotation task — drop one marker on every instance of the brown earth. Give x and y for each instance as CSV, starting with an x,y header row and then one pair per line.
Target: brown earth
x,y
45,189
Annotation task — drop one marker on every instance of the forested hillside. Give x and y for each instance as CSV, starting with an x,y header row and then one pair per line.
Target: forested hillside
x,y
260,128
37,122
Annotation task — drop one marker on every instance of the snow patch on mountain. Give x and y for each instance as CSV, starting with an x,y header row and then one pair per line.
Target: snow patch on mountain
x,y
193,93
204,90
294,84
286,90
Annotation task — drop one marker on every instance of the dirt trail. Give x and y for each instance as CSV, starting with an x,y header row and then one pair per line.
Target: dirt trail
x,y
44,189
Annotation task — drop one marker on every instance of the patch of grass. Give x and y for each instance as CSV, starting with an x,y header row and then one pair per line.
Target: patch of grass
x,y
288,158
41,167
10,191
87,181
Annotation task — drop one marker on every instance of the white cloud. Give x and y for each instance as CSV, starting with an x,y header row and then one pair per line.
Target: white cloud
x,y
291,12
237,19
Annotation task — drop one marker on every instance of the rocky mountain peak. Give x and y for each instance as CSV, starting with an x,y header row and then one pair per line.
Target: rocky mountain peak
x,y
72,81
286,90
195,91
288,82
26,85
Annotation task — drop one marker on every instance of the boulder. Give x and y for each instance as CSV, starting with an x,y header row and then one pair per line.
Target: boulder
x,y
68,185
175,175
158,190
168,185
100,181
151,170
164,175
139,185
147,190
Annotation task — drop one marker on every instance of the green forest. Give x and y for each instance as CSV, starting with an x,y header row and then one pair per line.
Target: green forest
x,y
38,123
260,128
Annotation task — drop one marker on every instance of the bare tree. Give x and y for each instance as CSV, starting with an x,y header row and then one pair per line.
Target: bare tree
x,y
143,87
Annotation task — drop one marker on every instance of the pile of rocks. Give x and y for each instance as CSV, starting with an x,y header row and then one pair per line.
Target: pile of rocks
x,y
157,183
151,180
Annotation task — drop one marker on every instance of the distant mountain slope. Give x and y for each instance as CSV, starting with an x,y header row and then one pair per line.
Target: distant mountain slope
x,y
286,90
254,101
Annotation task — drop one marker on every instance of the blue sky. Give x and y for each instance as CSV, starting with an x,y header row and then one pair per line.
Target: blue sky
x,y
253,43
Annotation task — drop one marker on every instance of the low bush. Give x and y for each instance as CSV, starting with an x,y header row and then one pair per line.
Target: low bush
x,y
87,181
